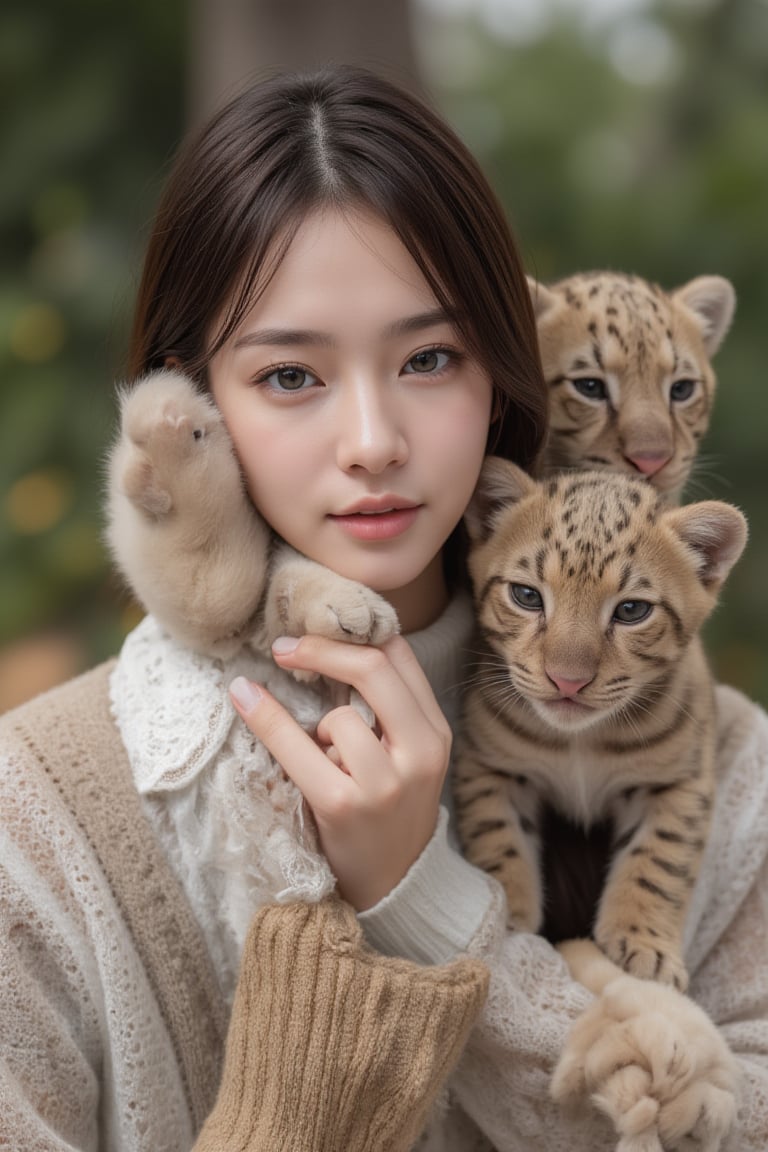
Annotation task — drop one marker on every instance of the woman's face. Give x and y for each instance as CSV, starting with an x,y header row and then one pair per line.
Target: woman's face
x,y
359,419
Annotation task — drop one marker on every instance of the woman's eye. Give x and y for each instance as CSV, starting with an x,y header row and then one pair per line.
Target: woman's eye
x,y
632,611
289,378
526,597
430,360
591,387
682,390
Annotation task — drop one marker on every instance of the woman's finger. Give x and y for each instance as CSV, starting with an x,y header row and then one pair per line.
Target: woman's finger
x,y
388,678
357,750
313,773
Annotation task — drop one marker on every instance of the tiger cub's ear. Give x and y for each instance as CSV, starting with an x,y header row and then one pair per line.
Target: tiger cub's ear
x,y
712,301
541,297
717,534
501,484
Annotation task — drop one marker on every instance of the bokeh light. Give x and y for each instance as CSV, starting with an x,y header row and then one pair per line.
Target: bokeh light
x,y
39,501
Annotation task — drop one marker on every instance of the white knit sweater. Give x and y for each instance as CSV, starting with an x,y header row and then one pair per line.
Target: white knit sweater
x,y
443,906
113,1083
233,827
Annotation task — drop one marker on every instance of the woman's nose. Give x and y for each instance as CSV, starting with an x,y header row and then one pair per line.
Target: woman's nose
x,y
370,432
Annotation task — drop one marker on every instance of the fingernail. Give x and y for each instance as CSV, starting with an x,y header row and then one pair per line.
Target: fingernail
x,y
285,644
244,693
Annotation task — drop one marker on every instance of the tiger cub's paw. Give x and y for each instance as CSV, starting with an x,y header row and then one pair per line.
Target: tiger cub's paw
x,y
167,437
645,954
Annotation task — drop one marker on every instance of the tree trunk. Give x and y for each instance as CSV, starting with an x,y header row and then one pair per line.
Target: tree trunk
x,y
232,41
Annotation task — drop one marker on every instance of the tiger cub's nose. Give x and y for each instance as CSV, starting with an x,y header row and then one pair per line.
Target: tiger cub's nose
x,y
649,463
568,687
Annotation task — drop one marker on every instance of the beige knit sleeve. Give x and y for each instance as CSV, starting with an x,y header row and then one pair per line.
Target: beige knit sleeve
x,y
332,1046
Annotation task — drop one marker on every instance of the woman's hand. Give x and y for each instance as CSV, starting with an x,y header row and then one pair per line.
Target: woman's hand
x,y
374,794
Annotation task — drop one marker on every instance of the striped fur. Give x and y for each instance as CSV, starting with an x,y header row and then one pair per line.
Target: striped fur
x,y
629,373
632,748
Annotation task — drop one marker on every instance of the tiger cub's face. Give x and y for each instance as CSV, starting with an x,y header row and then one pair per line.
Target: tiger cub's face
x,y
589,587
629,373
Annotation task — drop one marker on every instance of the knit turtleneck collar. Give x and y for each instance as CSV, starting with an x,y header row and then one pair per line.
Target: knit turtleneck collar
x,y
443,650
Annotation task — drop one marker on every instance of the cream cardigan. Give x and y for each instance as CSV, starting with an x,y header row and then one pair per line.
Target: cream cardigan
x,y
112,1013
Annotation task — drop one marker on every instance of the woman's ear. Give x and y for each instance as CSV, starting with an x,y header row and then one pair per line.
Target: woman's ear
x,y
172,362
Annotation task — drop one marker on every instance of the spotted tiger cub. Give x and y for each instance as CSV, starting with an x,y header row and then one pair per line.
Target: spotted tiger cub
x,y
629,372
589,725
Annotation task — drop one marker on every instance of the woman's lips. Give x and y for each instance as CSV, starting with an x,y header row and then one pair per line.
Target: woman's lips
x,y
384,524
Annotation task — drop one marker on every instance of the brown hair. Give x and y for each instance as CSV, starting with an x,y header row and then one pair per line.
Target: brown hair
x,y
344,137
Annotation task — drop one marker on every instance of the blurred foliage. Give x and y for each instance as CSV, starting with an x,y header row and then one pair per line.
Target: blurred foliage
x,y
91,104
641,144
637,144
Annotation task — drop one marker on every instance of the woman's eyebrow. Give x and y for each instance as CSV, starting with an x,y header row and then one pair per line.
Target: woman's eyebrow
x,y
417,323
283,337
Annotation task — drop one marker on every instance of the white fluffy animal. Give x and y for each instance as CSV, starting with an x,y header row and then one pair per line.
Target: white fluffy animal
x,y
194,550
216,580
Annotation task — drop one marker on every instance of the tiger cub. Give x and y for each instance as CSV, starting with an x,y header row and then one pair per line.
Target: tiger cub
x,y
628,367
592,708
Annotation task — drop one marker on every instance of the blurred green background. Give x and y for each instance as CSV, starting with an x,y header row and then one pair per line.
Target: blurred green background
x,y
618,133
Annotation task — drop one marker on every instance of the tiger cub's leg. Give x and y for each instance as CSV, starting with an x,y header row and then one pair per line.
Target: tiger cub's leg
x,y
498,837
642,911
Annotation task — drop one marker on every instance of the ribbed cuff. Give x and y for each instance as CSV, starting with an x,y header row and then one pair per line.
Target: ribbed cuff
x,y
436,909
332,1046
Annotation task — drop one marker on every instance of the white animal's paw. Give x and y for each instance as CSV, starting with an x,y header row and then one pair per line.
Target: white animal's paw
x,y
310,599
169,433
355,614
305,598
655,1064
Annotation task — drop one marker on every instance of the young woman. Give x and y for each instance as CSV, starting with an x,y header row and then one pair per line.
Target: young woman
x,y
330,263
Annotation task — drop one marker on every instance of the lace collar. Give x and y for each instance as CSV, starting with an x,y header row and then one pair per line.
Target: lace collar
x,y
172,706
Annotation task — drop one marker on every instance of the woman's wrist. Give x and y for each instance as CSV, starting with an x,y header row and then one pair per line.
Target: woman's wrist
x,y
435,911
331,1045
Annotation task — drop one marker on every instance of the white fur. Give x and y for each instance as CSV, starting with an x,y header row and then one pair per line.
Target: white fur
x,y
648,1058
192,547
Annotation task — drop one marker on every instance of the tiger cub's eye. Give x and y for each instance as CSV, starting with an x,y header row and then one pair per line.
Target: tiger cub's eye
x,y
682,390
591,387
526,597
632,611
